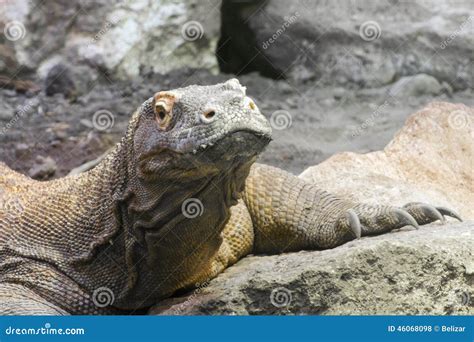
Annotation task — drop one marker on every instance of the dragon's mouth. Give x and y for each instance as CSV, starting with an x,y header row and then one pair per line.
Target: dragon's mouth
x,y
239,137
236,148
244,139
225,153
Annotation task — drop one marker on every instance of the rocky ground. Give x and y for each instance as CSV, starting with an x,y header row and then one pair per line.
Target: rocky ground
x,y
47,136
429,271
331,76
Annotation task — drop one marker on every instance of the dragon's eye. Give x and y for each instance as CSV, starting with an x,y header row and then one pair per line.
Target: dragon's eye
x,y
162,115
249,102
163,108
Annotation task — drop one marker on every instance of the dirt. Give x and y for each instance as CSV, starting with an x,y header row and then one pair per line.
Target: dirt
x,y
310,123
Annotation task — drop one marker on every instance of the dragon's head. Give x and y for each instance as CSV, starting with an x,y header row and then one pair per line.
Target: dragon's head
x,y
198,131
185,149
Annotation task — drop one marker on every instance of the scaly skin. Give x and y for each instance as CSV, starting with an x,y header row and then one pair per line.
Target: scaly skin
x,y
124,230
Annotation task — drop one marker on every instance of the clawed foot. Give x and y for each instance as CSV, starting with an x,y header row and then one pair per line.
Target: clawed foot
x,y
366,219
425,213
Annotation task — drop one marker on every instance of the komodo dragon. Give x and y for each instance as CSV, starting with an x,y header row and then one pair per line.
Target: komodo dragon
x,y
177,201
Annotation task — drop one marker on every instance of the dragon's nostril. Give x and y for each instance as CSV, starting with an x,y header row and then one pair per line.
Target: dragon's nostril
x,y
210,114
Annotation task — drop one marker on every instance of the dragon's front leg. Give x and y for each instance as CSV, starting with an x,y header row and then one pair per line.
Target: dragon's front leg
x,y
19,300
289,214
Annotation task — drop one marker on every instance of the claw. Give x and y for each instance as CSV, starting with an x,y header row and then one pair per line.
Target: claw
x,y
405,218
354,222
432,211
449,212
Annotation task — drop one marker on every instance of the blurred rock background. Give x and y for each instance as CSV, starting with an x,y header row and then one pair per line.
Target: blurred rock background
x,y
330,75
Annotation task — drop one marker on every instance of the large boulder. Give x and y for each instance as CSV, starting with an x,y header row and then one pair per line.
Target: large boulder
x,y
431,159
363,43
429,271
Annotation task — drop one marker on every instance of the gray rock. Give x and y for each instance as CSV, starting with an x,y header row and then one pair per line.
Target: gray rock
x,y
429,160
21,149
417,85
59,81
367,44
6,111
8,62
122,38
44,168
426,271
